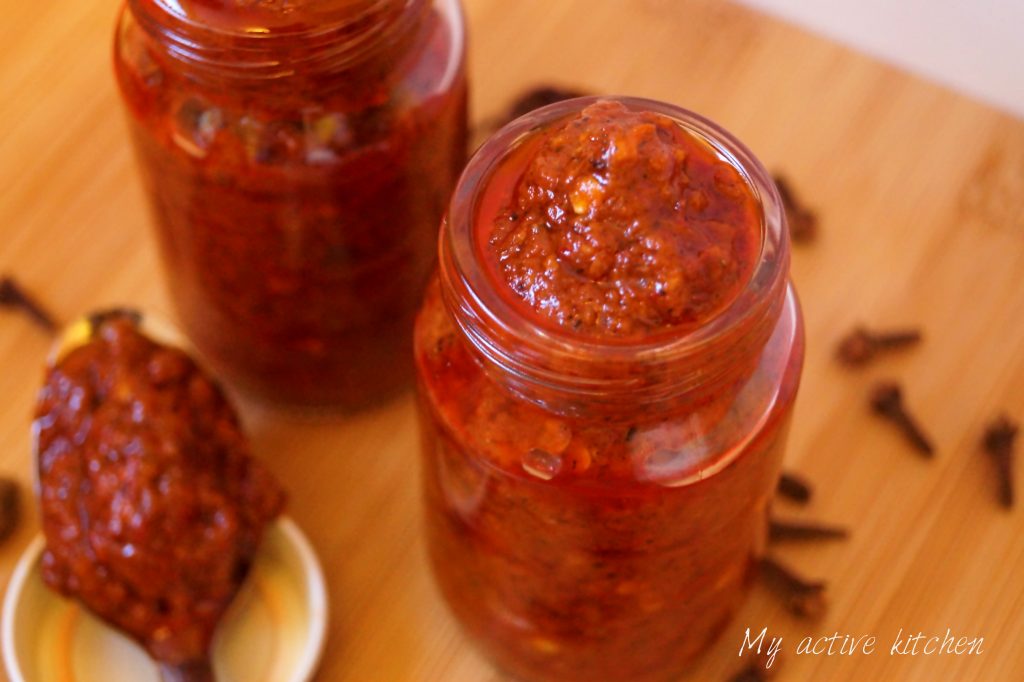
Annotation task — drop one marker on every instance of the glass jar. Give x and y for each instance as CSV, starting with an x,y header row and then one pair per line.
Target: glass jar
x,y
594,508
298,157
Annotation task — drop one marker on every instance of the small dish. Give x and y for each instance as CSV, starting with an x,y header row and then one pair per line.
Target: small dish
x,y
273,632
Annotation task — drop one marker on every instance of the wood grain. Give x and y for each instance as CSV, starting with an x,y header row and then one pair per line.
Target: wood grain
x,y
921,193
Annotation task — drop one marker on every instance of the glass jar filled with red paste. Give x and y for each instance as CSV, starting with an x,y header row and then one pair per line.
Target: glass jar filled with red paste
x,y
607,364
298,156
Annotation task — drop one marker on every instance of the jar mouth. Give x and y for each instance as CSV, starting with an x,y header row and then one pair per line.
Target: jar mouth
x,y
266,20
507,335
263,44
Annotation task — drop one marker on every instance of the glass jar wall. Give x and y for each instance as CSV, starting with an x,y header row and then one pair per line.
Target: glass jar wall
x,y
298,158
594,505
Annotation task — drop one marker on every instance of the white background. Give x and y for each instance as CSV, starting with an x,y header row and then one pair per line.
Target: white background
x,y
973,46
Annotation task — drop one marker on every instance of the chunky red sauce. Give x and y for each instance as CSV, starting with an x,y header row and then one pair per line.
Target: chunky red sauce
x,y
297,206
152,505
573,543
623,224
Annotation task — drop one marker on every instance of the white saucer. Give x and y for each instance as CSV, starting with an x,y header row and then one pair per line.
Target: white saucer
x,y
274,631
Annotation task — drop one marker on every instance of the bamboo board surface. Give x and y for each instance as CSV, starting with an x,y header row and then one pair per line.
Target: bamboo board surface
x,y
921,196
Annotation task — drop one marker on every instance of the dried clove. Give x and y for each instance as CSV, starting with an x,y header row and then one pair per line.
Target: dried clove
x,y
887,401
794,487
12,295
781,531
803,597
538,97
861,345
10,507
998,443
803,222
752,673
760,669
534,98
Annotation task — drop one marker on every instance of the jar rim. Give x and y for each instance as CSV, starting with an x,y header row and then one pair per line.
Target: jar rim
x,y
507,336
335,40
268,24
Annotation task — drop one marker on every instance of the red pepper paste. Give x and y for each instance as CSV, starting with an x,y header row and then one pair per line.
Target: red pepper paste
x,y
152,504
623,225
574,541
298,157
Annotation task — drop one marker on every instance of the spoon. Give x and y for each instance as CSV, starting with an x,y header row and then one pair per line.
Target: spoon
x,y
196,671
151,504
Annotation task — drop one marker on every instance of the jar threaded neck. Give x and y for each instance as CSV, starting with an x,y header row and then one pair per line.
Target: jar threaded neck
x,y
331,42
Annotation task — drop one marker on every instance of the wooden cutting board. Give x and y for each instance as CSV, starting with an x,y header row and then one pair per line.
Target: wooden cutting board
x,y
921,195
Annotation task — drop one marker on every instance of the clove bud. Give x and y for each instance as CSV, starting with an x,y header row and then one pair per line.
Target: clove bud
x,y
780,531
13,296
803,222
794,487
10,507
887,401
860,345
803,597
760,669
998,443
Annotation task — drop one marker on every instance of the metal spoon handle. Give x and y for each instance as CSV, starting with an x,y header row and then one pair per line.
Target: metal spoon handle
x,y
193,671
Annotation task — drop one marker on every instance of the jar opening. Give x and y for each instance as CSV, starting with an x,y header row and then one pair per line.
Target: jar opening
x,y
275,38
257,18
539,358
